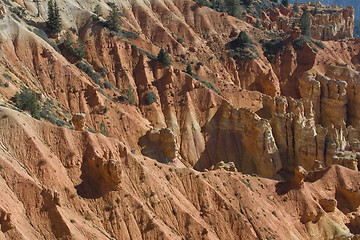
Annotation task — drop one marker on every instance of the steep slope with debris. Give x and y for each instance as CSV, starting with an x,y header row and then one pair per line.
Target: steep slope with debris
x,y
282,101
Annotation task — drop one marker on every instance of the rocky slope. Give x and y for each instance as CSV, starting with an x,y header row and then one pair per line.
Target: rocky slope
x,y
65,184
293,104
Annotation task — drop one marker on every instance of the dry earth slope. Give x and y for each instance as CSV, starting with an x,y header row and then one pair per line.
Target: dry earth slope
x,y
145,174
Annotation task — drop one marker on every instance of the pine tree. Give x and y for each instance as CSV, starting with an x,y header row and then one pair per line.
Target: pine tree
x,y
285,3
80,50
242,40
53,23
233,8
164,57
316,11
305,24
247,2
296,7
68,42
113,19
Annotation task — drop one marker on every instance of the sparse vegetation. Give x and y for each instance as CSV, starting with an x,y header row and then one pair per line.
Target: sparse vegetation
x,y
247,184
47,112
19,11
27,100
77,49
88,216
130,94
189,69
320,44
109,207
108,85
168,177
43,35
89,70
142,178
42,162
203,3
274,213
103,129
127,34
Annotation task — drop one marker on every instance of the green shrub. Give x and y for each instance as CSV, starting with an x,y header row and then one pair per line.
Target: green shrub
x,y
103,70
189,69
180,40
97,11
130,94
315,11
89,70
27,100
105,95
299,42
243,47
241,41
128,34
258,24
108,85
19,11
164,58
210,86
296,7
43,35
272,47
6,76
47,112
103,129
77,49
150,98
320,44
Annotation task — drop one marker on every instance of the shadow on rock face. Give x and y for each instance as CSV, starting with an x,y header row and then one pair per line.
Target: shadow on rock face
x,y
99,175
